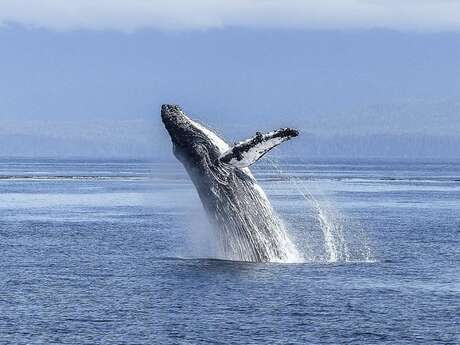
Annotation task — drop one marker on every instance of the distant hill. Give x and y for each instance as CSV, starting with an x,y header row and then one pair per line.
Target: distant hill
x,y
134,145
410,128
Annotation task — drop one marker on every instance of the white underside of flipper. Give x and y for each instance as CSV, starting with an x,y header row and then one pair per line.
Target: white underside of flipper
x,y
251,156
247,152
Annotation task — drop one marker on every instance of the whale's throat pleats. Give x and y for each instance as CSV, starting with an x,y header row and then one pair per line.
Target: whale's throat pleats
x,y
248,228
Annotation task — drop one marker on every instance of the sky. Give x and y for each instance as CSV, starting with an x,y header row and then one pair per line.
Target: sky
x,y
358,78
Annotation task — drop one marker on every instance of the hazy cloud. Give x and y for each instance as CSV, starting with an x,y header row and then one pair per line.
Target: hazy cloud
x,y
130,15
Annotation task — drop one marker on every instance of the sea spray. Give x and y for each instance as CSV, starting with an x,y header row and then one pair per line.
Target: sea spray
x,y
340,240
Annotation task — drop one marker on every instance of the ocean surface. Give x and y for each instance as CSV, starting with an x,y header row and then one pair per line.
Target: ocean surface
x,y
119,252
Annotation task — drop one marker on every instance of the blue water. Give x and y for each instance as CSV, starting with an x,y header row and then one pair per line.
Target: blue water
x,y
119,252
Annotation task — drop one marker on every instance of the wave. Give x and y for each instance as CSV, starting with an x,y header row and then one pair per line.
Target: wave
x,y
424,179
73,177
229,261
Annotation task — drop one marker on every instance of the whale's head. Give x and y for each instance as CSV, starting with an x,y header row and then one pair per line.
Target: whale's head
x,y
194,145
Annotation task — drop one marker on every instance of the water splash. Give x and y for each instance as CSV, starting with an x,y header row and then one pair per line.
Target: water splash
x,y
340,241
240,236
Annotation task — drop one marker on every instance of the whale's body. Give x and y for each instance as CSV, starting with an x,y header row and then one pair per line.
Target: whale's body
x,y
248,228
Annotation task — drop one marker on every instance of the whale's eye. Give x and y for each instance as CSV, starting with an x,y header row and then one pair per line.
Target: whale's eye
x,y
198,148
200,145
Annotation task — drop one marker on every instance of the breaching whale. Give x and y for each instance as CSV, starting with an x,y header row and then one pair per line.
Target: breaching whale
x,y
248,228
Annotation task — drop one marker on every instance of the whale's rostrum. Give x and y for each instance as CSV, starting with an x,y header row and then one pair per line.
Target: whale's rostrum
x,y
247,227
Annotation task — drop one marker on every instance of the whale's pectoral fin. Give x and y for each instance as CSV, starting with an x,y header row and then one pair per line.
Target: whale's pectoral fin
x,y
247,152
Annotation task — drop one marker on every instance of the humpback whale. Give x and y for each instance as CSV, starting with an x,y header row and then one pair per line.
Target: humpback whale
x,y
248,228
